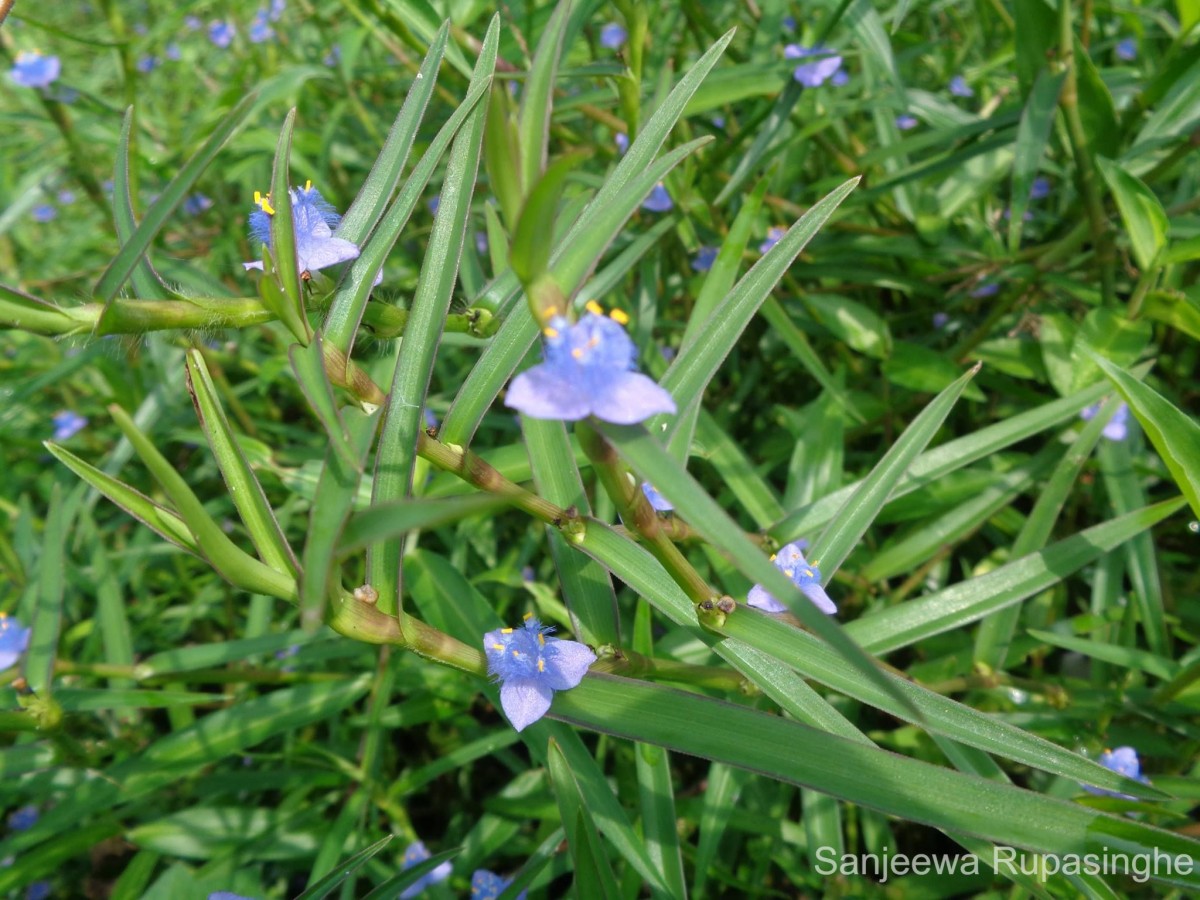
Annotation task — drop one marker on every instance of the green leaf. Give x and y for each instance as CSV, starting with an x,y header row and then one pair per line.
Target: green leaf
x,y
593,873
537,99
389,521
347,868
530,251
1144,217
244,488
1175,435
1037,119
38,667
1113,336
1096,107
1179,311
922,369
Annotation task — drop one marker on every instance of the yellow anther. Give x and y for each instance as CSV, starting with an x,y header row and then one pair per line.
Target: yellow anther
x,y
808,573
593,341
789,572
577,353
308,185
506,631
593,307
619,317
264,203
541,665
497,646
772,557
516,654
550,332
528,616
541,639
551,311
815,563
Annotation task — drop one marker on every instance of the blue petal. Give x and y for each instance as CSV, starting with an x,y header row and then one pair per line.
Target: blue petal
x,y
630,397
542,393
760,599
319,254
525,701
820,599
569,665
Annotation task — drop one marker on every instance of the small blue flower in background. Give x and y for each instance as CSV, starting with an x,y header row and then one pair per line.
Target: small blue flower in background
x,y
39,890
789,22
66,197
141,29
621,139
487,885
1040,188
613,36
172,52
14,640
147,64
44,212
314,219
333,57
414,854
277,9
718,121
431,419
196,204
941,320
221,33
192,23
704,259
657,500
774,235
531,667
1126,49
227,895
260,28
987,289
659,200
905,122
24,818
434,202
790,561
481,243
960,88
34,70
588,370
1117,428
1123,761
528,574
67,424
825,67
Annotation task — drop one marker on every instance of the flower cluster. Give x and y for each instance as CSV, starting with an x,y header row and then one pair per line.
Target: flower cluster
x,y
588,371
1123,761
531,666
791,562
825,65
314,219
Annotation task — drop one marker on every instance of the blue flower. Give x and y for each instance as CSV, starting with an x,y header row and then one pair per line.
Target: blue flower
x,y
940,320
172,52
613,36
34,70
906,122
986,289
24,818
434,202
147,64
14,640
192,23
1117,428
826,65
960,88
196,204
704,259
588,370
481,243
659,200
1126,49
1040,188
621,139
66,197
260,28
487,885
277,10
1123,761
44,212
314,219
67,424
657,500
221,33
789,22
790,561
431,419
531,667
718,121
227,895
774,236
39,890
414,854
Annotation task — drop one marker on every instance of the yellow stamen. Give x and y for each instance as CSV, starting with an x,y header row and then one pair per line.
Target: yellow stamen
x,y
541,639
772,557
264,203
528,616
593,307
497,646
789,572
577,353
550,332
541,665
815,563
619,317
808,573
308,185
516,654
506,631
551,311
